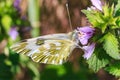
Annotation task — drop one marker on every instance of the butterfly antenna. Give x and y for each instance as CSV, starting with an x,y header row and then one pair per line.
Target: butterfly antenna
x,y
69,18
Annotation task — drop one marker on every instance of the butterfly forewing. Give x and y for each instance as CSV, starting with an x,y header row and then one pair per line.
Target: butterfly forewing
x,y
51,50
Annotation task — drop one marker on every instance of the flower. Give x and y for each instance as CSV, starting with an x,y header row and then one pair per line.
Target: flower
x,y
85,33
91,8
13,33
88,50
17,4
97,4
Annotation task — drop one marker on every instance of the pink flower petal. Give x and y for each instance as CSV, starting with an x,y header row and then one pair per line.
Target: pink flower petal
x,y
85,33
97,4
88,50
13,33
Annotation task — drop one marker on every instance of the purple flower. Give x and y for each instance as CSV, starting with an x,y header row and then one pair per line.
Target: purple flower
x,y
88,50
85,33
97,4
13,33
17,4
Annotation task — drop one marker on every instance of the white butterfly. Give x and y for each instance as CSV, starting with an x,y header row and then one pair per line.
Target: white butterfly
x,y
49,49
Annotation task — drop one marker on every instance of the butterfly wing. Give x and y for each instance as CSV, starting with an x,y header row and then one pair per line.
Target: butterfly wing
x,y
50,49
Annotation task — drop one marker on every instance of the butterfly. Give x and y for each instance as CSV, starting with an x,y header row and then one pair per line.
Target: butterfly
x,y
49,49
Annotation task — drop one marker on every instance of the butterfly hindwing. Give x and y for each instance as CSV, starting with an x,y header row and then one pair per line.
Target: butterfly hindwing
x,y
46,50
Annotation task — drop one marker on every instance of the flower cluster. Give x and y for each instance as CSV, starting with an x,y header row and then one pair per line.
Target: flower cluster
x,y
105,21
86,32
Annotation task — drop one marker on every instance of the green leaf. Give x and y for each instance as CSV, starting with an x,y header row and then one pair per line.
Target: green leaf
x,y
114,69
111,46
60,69
97,19
117,9
98,59
34,72
94,17
6,22
102,20
5,69
3,33
108,11
118,22
117,31
103,28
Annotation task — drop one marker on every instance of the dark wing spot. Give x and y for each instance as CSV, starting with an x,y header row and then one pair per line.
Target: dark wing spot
x,y
39,42
25,40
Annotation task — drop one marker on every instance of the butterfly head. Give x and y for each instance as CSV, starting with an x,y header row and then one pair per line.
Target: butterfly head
x,y
73,35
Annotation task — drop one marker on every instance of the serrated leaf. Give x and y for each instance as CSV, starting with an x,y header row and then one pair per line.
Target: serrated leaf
x,y
114,69
94,17
103,28
108,11
97,19
90,17
111,46
98,59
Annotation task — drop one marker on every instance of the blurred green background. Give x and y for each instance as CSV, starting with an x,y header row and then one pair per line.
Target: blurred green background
x,y
23,19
